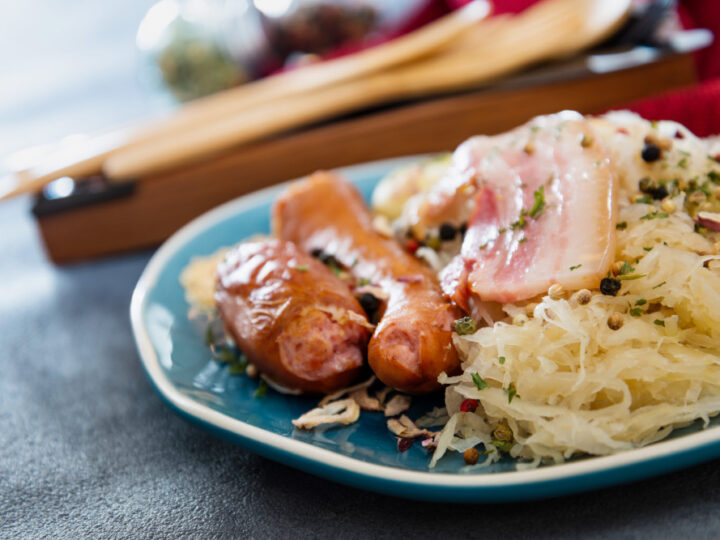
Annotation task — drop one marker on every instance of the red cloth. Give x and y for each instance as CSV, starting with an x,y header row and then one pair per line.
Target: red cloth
x,y
704,14
697,107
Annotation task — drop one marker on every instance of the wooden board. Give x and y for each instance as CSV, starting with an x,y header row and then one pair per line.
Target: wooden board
x,y
163,202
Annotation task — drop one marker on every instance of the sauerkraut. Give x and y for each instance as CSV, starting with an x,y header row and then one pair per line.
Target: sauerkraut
x,y
555,373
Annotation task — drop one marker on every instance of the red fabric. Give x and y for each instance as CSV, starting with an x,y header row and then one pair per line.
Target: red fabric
x,y
704,14
697,107
499,6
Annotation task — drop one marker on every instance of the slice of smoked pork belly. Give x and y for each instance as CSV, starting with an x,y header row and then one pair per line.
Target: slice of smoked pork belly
x,y
541,205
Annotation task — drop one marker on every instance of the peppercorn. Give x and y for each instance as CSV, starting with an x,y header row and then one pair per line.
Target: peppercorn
x,y
412,245
471,456
447,231
469,405
656,191
615,321
667,206
433,242
503,433
465,326
369,302
583,297
403,443
556,291
317,253
650,152
610,286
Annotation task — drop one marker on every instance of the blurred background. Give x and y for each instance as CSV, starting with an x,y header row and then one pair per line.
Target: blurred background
x,y
70,67
75,72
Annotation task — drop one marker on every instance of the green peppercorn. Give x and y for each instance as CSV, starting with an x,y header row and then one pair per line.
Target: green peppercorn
x,y
465,326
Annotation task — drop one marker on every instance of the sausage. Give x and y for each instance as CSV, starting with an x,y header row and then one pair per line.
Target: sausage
x,y
291,316
412,343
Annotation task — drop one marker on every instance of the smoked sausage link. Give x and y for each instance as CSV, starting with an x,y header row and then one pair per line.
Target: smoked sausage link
x,y
412,343
291,316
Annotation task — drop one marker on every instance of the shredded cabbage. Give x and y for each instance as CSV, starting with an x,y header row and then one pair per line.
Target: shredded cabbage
x,y
563,381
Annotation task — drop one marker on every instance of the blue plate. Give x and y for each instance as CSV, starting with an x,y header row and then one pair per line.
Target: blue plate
x,y
179,365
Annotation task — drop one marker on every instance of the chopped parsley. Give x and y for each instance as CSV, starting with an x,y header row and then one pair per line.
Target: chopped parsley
x,y
501,360
237,363
511,392
261,389
505,446
626,268
522,240
238,368
659,322
480,383
636,312
647,249
521,222
332,265
647,199
682,163
539,204
209,335
659,285
641,302
575,267
363,281
484,245
302,268
655,215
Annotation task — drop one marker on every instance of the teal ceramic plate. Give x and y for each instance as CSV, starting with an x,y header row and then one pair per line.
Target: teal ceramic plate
x,y
179,365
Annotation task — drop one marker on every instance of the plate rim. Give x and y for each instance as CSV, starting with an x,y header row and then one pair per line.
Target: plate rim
x,y
674,453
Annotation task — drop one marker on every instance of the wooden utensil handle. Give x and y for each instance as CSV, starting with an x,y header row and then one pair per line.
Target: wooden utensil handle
x,y
502,49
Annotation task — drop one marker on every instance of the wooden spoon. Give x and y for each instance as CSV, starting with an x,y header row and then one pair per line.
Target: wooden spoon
x,y
550,29
87,158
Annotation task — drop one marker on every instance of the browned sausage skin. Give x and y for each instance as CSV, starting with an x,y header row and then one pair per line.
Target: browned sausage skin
x,y
291,316
412,344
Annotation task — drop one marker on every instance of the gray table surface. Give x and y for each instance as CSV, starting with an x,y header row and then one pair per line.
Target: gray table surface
x,y
87,449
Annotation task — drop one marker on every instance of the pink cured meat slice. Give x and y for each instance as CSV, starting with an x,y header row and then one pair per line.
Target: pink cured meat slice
x,y
571,241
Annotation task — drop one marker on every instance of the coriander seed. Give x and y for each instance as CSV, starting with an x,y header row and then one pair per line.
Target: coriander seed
x,y
615,321
556,291
583,297
667,206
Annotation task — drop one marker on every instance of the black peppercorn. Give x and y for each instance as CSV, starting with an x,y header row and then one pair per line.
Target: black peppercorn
x,y
369,302
610,286
656,191
650,152
447,231
317,253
